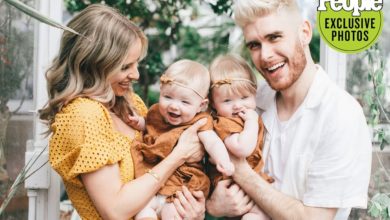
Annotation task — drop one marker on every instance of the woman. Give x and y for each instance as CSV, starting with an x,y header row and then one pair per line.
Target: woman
x,y
90,100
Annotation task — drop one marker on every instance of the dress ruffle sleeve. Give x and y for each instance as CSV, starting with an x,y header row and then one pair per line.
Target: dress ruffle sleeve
x,y
83,141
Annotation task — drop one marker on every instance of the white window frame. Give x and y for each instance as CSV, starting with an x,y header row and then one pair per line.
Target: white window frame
x,y
334,63
43,188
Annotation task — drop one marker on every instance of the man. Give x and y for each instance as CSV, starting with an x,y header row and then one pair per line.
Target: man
x,y
317,146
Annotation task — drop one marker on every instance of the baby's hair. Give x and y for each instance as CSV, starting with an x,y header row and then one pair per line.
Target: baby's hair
x,y
245,11
233,75
190,74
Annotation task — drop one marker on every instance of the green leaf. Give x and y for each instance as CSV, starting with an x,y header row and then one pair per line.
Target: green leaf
x,y
379,75
374,109
373,210
381,134
383,199
35,14
388,211
380,90
370,58
367,97
379,206
382,144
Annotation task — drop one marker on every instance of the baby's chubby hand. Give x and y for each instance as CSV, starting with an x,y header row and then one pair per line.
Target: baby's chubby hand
x,y
136,122
226,168
249,114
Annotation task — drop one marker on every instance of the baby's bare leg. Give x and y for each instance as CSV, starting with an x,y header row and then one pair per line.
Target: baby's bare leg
x,y
148,212
169,212
153,209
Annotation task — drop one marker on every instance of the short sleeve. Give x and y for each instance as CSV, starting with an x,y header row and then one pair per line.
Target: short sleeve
x,y
339,172
225,127
82,141
209,122
140,106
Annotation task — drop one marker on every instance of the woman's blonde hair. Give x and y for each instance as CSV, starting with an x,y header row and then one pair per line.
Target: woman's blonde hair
x,y
191,74
85,63
231,74
246,11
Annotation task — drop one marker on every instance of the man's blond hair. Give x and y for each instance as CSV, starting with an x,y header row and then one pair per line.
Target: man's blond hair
x,y
245,11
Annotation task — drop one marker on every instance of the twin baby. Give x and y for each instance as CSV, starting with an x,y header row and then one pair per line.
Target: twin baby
x,y
184,95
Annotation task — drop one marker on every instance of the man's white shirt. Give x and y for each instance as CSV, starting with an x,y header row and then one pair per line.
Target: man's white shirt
x,y
322,154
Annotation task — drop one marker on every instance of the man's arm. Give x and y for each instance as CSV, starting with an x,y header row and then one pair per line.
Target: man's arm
x,y
276,204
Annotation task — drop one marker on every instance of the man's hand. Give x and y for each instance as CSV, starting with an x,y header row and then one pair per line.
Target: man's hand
x,y
228,200
190,206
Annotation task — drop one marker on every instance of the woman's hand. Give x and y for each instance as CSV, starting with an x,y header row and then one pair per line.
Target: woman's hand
x,y
188,148
228,200
190,206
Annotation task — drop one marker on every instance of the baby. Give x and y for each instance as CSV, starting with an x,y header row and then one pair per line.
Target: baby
x,y
233,92
183,99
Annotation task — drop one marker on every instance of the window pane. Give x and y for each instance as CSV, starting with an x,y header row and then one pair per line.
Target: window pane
x,y
16,85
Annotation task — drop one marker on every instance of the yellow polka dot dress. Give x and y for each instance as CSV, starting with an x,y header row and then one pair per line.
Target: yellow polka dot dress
x,y
84,141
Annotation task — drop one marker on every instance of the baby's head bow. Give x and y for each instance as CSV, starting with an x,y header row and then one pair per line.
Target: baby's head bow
x,y
164,79
229,81
221,82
